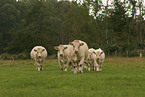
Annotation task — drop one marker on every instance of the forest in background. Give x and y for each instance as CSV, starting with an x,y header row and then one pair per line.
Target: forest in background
x,y
119,29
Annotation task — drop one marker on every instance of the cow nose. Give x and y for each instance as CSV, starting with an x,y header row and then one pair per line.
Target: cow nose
x,y
61,55
76,52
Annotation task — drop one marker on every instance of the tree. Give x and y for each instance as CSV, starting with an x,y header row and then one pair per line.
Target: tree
x,y
33,31
118,23
8,21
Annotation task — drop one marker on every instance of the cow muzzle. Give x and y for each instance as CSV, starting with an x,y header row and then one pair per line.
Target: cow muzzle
x,y
76,52
39,56
61,55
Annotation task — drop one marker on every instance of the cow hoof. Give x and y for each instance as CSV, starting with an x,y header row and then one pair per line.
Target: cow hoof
x,y
38,69
62,69
75,72
82,71
41,69
65,69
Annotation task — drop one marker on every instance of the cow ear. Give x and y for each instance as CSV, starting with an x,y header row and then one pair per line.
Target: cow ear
x,y
35,50
65,47
56,47
81,44
70,43
101,53
43,50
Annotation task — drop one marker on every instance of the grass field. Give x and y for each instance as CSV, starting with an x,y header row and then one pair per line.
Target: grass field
x,y
121,77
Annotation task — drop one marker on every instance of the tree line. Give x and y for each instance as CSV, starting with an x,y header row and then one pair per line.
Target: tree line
x,y
119,29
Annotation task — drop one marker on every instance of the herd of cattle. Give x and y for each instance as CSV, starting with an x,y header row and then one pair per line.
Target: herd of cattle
x,y
77,55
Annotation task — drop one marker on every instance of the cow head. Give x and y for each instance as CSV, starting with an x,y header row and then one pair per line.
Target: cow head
x,y
39,52
99,52
61,49
90,55
76,45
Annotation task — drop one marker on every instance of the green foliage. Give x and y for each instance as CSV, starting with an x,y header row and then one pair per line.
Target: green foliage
x,y
111,49
8,21
20,56
5,56
141,45
26,24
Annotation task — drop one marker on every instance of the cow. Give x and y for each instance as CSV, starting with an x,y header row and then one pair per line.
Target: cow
x,y
91,59
64,55
39,54
79,54
100,58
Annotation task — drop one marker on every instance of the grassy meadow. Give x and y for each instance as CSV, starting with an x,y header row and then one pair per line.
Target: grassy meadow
x,y
121,77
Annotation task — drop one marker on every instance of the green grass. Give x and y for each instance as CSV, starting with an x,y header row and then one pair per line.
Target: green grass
x,y
121,77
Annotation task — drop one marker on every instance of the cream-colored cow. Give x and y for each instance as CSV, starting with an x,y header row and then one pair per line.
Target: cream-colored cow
x,y
79,55
91,59
39,54
64,55
100,58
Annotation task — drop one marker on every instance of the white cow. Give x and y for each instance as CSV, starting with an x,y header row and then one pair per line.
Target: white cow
x,y
38,53
100,58
91,59
79,54
64,55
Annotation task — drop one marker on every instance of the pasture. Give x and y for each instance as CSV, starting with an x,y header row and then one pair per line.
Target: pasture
x,y
121,77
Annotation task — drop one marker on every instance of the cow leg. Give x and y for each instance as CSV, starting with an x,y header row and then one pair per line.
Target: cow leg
x,y
65,68
72,65
75,68
97,67
41,67
97,64
94,63
89,67
72,68
93,66
60,64
81,68
81,64
66,65
37,66
101,65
